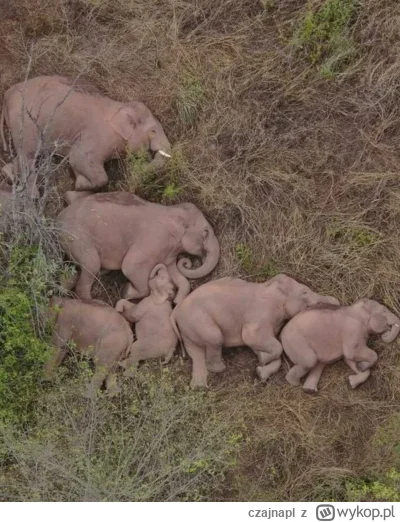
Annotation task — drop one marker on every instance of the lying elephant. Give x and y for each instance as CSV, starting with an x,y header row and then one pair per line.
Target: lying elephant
x,y
120,231
232,312
155,337
55,112
96,329
316,338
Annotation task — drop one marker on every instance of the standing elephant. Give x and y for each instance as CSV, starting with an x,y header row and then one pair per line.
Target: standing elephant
x,y
53,112
316,338
120,231
232,312
97,330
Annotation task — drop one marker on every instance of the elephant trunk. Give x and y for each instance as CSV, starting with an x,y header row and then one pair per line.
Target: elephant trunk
x,y
329,300
210,259
393,332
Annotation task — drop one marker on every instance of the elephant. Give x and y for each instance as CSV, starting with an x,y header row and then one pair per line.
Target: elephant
x,y
97,330
231,312
155,337
120,231
75,121
315,338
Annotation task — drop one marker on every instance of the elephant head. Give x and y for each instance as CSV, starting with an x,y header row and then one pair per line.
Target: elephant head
x,y
160,283
380,320
142,131
299,297
198,239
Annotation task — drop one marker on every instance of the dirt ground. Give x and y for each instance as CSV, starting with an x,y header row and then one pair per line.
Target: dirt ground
x,y
294,161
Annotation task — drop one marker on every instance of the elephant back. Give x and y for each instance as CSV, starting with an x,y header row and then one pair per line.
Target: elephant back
x,y
119,198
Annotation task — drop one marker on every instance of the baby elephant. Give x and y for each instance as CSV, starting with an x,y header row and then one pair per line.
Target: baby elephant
x,y
315,338
96,329
154,333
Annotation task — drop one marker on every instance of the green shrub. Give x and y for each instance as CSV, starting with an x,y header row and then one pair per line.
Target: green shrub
x,y
384,489
22,355
190,98
158,441
245,256
323,35
355,237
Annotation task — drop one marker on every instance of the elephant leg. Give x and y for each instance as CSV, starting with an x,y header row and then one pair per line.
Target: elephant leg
x,y
58,354
365,358
311,383
89,173
137,353
8,171
98,378
181,283
214,361
138,275
359,377
264,345
90,264
111,384
268,350
24,165
199,367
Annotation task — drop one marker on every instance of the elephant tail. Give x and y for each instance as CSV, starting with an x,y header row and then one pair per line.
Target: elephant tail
x,y
3,140
178,334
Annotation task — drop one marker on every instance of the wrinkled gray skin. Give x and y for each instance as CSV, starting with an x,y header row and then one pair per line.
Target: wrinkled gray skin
x,y
120,231
96,329
231,312
316,338
50,112
155,337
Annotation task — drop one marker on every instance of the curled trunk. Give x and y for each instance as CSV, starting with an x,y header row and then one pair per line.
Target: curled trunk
x,y
211,259
394,330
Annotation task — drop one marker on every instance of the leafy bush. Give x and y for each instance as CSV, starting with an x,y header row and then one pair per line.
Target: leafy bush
x,y
22,355
189,99
157,442
323,35
23,330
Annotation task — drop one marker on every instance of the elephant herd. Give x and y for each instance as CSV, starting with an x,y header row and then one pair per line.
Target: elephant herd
x,y
103,231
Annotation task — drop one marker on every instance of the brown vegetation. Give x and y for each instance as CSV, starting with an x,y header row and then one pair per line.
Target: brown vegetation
x,y
288,141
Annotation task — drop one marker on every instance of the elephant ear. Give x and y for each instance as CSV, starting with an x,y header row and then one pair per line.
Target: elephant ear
x,y
176,221
282,282
158,293
125,121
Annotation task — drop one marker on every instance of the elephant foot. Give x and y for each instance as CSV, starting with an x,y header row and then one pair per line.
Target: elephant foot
x,y
198,384
292,380
263,373
216,366
310,389
7,170
359,378
364,365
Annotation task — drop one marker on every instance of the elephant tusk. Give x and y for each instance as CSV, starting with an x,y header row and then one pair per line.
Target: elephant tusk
x,y
164,154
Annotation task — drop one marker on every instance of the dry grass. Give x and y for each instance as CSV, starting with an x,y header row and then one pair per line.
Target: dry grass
x,y
296,170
